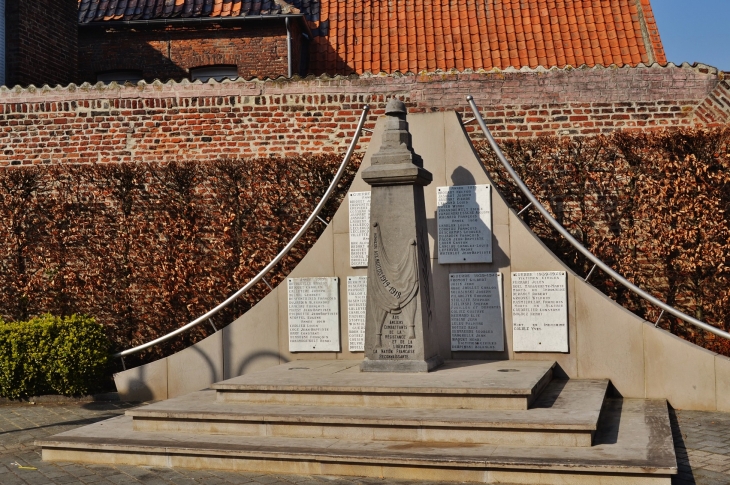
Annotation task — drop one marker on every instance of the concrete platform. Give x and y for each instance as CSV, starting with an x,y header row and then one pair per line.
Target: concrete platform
x,y
634,445
565,414
455,385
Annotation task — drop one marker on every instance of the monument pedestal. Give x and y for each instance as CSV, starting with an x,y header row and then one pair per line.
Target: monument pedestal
x,y
427,365
400,332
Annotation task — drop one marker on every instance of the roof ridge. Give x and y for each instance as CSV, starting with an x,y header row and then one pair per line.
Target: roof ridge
x,y
651,30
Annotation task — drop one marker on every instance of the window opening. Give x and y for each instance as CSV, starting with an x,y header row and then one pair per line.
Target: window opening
x,y
218,73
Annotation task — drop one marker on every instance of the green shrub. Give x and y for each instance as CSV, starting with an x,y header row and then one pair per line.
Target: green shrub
x,y
24,352
50,354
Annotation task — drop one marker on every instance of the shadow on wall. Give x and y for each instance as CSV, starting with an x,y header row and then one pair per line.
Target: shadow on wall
x,y
139,387
462,176
257,50
101,52
211,367
251,363
195,368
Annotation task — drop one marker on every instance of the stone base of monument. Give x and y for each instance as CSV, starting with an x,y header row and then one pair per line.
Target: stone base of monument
x,y
491,422
401,366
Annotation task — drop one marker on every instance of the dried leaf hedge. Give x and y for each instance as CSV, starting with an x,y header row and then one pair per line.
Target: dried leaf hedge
x,y
145,248
655,206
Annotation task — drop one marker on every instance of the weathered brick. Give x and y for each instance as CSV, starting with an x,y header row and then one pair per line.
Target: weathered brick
x,y
171,121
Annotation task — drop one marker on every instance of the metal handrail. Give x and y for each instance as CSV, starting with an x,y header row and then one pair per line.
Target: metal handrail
x,y
574,242
313,217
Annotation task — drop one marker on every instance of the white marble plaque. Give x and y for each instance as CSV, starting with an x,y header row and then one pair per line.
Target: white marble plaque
x,y
477,311
540,311
359,205
357,290
464,224
314,314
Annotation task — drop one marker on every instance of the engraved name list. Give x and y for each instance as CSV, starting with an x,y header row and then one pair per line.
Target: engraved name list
x,y
540,311
464,224
314,314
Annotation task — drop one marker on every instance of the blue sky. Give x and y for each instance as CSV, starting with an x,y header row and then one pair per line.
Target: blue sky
x,y
695,30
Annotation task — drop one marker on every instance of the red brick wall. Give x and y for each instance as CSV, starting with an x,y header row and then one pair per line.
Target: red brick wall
x,y
199,122
258,49
715,110
41,42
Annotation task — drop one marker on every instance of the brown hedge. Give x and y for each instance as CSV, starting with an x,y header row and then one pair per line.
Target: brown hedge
x,y
655,206
145,248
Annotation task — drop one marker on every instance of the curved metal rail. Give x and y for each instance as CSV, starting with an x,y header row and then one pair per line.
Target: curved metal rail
x,y
577,245
314,216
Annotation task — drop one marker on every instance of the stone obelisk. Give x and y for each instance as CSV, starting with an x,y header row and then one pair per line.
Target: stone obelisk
x,y
400,335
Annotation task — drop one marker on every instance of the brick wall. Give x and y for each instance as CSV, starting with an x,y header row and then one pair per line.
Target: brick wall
x,y
185,121
715,110
258,49
41,40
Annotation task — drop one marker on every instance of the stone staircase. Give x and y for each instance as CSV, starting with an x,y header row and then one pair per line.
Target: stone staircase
x,y
478,421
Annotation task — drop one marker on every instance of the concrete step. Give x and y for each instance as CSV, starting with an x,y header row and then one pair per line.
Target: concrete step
x,y
633,445
454,385
565,414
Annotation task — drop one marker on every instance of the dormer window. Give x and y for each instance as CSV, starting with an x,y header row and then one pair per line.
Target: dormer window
x,y
218,73
120,76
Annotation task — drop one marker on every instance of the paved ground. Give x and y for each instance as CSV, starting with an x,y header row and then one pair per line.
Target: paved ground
x,y
702,441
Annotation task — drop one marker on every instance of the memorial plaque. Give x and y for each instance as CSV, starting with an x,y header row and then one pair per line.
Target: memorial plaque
x,y
314,314
464,224
477,311
540,311
359,204
357,290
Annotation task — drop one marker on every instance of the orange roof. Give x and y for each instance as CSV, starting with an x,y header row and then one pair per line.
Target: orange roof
x,y
425,35
355,36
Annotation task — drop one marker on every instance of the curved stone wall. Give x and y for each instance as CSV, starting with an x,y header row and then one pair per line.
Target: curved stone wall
x,y
605,340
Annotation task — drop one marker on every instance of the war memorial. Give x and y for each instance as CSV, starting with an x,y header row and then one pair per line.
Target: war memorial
x,y
429,335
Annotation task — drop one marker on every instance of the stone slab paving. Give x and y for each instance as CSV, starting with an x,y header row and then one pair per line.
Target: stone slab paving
x,y
702,441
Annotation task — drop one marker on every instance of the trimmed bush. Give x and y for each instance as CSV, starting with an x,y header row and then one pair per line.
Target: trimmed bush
x,y
47,354
24,351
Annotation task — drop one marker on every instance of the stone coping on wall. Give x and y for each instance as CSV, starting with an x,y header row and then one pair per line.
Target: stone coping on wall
x,y
255,86
195,121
